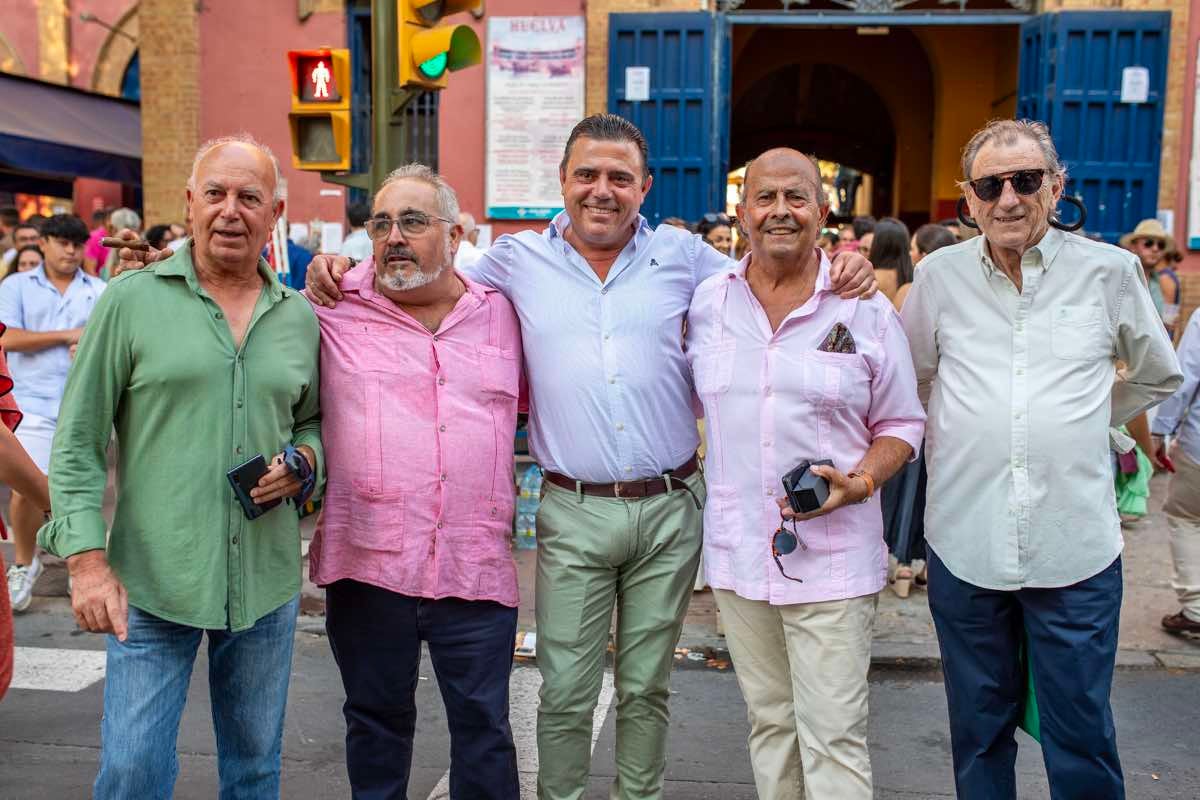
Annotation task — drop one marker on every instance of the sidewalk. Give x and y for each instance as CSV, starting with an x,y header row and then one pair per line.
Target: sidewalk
x,y
904,635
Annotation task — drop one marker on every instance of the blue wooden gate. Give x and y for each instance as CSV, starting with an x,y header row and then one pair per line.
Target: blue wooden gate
x,y
1070,78
687,148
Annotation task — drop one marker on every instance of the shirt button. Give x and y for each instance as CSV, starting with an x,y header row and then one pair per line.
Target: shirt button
x,y
607,337
435,338
629,469
218,315
240,359
439,526
767,443
441,381
620,426
443,476
770,492
604,290
238,450
1020,372
767,391
612,380
235,540
442,428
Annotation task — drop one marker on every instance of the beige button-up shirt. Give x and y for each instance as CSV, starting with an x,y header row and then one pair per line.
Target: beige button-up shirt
x,y
1019,388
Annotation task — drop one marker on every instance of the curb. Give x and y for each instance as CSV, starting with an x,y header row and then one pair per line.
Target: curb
x,y
710,652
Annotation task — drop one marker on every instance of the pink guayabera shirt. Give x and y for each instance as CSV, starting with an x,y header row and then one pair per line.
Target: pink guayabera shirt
x,y
772,400
418,432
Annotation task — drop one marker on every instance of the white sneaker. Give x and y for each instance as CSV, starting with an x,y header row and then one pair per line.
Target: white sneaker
x,y
20,583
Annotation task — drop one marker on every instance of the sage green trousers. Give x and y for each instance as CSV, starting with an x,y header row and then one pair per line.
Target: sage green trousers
x,y
594,552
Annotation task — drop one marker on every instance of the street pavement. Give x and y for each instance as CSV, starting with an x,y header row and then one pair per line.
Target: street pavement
x,y
49,723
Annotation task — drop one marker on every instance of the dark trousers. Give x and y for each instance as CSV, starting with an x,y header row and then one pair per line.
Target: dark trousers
x,y
1072,647
376,639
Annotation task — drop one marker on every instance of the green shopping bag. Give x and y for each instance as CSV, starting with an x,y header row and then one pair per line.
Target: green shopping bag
x,y
1029,722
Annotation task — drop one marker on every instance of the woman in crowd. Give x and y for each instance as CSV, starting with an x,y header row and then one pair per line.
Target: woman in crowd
x,y
904,495
27,258
889,254
715,229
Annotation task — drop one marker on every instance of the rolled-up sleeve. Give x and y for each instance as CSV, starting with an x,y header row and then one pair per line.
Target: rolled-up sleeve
x,y
895,407
78,462
1152,371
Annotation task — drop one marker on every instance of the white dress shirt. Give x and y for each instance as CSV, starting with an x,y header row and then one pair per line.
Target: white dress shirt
x,y
357,245
610,389
466,255
1179,415
1020,393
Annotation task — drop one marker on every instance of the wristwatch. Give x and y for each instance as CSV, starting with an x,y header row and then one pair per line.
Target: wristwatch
x,y
866,476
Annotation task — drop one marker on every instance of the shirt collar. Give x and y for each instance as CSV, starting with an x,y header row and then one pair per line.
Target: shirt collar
x,y
39,275
181,265
557,228
1041,254
822,283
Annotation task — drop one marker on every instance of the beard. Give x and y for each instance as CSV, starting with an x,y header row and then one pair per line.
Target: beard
x,y
401,282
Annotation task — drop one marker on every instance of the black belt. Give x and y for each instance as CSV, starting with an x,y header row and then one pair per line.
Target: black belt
x,y
629,490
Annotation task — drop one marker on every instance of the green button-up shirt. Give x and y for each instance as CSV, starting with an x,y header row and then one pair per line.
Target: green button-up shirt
x,y
158,362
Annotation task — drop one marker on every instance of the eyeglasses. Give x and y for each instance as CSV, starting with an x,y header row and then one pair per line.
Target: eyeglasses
x,y
783,543
412,223
1024,182
1156,244
713,218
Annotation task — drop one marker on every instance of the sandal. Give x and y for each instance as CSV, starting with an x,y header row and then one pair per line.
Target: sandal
x,y
902,582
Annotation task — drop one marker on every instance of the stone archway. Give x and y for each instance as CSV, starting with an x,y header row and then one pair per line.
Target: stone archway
x,y
10,59
115,54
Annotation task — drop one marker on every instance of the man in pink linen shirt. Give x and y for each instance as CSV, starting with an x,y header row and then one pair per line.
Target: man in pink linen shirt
x,y
420,376
787,371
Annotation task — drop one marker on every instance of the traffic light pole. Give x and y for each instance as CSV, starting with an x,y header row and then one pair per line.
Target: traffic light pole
x,y
388,99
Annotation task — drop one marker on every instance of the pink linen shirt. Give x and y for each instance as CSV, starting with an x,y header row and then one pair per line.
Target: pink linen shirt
x,y
418,432
772,399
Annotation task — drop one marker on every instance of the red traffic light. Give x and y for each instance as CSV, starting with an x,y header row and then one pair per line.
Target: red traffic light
x,y
317,81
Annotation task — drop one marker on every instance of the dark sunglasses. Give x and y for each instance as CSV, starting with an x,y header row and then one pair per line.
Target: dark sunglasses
x,y
1024,182
785,542
715,219
1157,244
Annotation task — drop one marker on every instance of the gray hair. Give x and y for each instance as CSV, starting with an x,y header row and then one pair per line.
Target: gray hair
x,y
467,220
1007,132
125,218
822,197
239,138
447,199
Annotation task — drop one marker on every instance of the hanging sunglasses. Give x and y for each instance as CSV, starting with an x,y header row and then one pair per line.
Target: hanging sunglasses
x,y
785,542
1024,182
713,218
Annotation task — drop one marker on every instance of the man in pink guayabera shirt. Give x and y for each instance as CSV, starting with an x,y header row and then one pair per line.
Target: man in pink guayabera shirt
x,y
420,377
790,372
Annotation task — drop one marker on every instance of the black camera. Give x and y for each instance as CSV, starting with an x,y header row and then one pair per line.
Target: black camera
x,y
806,491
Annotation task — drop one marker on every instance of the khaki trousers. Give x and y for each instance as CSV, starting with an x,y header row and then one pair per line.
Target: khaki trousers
x,y
1183,525
803,671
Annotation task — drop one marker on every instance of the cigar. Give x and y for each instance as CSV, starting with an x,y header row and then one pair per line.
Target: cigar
x,y
135,244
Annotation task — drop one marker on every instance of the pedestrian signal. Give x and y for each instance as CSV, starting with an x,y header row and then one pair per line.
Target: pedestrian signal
x,y
320,115
428,51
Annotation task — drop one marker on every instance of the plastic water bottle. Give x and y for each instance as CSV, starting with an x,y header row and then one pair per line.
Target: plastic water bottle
x,y
527,506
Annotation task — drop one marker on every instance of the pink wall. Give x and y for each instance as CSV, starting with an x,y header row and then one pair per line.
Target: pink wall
x,y
244,86
463,115
19,24
88,37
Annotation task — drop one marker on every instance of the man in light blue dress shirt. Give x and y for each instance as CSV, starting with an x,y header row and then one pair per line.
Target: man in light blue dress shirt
x,y
45,310
602,299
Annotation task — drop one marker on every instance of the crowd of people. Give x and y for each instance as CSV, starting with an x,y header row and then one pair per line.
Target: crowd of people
x,y
946,415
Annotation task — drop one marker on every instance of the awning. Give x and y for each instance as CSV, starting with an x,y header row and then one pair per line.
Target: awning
x,y
57,132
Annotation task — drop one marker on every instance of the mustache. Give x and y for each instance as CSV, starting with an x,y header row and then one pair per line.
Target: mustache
x,y
401,252
786,222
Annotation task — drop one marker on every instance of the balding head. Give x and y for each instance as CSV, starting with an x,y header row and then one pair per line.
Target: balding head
x,y
783,207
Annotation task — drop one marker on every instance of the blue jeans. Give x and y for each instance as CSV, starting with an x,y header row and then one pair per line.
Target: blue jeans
x,y
1072,634
146,688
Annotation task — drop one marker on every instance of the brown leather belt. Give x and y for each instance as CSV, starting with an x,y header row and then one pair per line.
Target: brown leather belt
x,y
629,489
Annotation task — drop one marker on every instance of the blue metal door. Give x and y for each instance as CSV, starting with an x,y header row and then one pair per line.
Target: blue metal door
x,y
1071,69
683,52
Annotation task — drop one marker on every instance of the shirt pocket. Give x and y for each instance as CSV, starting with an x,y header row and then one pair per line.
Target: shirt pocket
x,y
498,370
722,527
836,381
377,520
712,368
1079,333
374,346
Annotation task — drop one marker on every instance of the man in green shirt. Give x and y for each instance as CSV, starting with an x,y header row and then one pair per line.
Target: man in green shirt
x,y
201,361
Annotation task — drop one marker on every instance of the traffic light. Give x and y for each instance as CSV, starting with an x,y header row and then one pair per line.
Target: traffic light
x,y
427,51
320,115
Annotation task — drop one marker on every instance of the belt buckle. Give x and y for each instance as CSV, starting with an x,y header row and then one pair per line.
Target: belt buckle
x,y
617,489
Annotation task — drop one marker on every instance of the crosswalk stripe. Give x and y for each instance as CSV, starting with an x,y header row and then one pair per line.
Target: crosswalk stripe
x,y
56,670
522,716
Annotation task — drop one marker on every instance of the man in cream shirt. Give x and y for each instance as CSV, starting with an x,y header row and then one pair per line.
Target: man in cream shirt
x,y
1014,337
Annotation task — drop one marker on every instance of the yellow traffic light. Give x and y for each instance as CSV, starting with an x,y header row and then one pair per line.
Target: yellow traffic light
x,y
426,51
320,115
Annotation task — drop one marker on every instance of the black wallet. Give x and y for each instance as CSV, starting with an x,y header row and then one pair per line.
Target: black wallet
x,y
245,477
806,491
